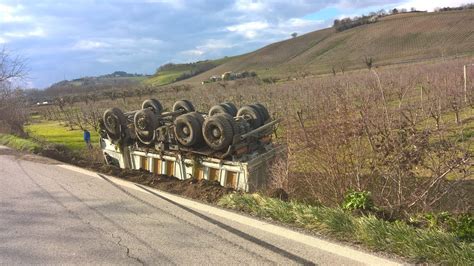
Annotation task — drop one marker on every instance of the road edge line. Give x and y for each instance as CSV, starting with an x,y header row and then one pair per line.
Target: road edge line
x,y
313,241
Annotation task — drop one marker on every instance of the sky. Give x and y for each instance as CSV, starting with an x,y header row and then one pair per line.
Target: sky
x,y
76,38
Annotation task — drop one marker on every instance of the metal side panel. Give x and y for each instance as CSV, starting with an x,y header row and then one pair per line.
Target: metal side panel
x,y
241,175
113,155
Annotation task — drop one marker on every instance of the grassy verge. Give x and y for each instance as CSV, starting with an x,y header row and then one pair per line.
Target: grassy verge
x,y
421,245
19,143
55,132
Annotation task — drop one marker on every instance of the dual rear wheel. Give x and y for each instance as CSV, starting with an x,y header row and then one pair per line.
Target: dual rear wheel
x,y
218,131
188,129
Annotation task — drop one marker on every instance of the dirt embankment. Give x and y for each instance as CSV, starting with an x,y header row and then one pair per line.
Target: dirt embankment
x,y
203,190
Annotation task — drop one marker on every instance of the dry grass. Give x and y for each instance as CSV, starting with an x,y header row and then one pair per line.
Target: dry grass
x,y
337,154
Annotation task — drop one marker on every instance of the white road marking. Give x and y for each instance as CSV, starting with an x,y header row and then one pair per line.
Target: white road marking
x,y
340,250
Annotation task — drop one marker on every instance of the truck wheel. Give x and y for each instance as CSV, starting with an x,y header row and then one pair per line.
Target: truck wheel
x,y
252,115
187,129
218,132
235,126
113,119
260,111
220,109
264,111
154,105
198,116
145,123
183,105
232,108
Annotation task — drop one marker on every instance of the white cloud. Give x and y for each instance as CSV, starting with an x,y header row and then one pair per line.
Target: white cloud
x,y
38,32
192,53
8,14
89,45
209,46
104,60
262,30
173,3
250,5
119,44
299,23
4,9
213,44
8,36
249,29
432,4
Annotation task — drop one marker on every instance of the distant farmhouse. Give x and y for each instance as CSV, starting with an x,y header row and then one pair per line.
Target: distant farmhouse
x,y
230,76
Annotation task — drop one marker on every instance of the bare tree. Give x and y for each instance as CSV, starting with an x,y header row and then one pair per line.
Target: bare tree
x,y
11,67
368,60
12,113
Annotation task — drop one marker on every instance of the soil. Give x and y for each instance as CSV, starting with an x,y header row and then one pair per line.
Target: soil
x,y
203,190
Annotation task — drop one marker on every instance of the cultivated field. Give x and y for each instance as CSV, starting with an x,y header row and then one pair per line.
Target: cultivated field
x,y
377,131
403,133
394,39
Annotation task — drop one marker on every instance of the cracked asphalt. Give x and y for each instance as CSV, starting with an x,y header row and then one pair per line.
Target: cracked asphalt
x,y
51,215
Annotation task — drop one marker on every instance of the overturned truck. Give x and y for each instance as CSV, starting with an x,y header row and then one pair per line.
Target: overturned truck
x,y
229,145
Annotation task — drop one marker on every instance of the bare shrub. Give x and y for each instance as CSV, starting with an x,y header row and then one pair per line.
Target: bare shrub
x,y
399,133
12,112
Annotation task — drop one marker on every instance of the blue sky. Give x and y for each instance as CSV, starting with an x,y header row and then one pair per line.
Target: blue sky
x,y
71,39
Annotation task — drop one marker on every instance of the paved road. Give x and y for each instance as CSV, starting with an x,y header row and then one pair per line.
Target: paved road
x,y
52,215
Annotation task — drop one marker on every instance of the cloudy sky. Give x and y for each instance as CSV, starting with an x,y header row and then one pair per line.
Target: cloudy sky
x,y
71,39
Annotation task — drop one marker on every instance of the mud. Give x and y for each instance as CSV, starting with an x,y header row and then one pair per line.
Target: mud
x,y
203,190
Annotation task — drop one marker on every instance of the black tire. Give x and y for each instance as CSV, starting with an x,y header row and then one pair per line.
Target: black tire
x,y
154,105
114,119
218,132
252,115
145,123
198,116
183,105
188,129
232,108
235,127
264,111
259,110
219,109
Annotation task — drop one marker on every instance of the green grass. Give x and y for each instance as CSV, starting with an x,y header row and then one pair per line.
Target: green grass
x,y
55,132
19,143
167,74
163,78
421,245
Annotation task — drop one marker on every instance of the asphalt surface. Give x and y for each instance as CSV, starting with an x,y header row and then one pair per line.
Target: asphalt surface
x,y
51,215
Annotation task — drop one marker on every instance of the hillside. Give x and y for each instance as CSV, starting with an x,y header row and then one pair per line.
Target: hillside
x,y
113,78
400,38
170,73
116,79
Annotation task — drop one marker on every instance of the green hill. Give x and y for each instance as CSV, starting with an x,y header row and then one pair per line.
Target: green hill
x,y
117,79
114,78
401,38
170,73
